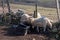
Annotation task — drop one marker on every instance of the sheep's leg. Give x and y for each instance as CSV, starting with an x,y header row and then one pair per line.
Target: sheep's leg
x,y
44,25
37,29
26,32
44,29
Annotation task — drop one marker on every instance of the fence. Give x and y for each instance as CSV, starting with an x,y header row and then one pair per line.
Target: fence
x,y
48,12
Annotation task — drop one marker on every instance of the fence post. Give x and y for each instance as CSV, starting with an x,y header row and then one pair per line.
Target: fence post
x,y
35,11
2,5
8,5
57,9
9,10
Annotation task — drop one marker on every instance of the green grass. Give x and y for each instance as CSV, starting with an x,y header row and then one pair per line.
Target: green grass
x,y
48,12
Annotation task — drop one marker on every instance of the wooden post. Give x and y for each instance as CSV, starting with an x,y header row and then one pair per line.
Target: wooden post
x,y
57,5
9,10
57,8
8,5
2,5
35,12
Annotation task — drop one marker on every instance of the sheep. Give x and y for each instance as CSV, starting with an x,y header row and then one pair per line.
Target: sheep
x,y
25,18
41,22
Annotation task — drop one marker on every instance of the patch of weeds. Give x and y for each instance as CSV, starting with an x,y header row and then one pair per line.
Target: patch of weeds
x,y
1,24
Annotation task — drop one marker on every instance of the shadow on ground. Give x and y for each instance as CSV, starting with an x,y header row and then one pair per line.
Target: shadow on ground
x,y
12,32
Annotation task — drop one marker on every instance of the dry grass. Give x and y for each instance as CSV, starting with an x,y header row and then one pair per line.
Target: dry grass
x,y
48,12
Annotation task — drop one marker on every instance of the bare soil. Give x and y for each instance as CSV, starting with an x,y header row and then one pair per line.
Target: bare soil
x,y
26,37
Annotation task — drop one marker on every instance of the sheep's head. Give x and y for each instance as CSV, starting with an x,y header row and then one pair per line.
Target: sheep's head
x,y
25,18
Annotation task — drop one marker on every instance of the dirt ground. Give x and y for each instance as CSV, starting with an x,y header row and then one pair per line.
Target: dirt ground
x,y
26,37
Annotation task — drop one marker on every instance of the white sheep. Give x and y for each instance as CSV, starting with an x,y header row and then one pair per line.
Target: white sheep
x,y
41,22
25,18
